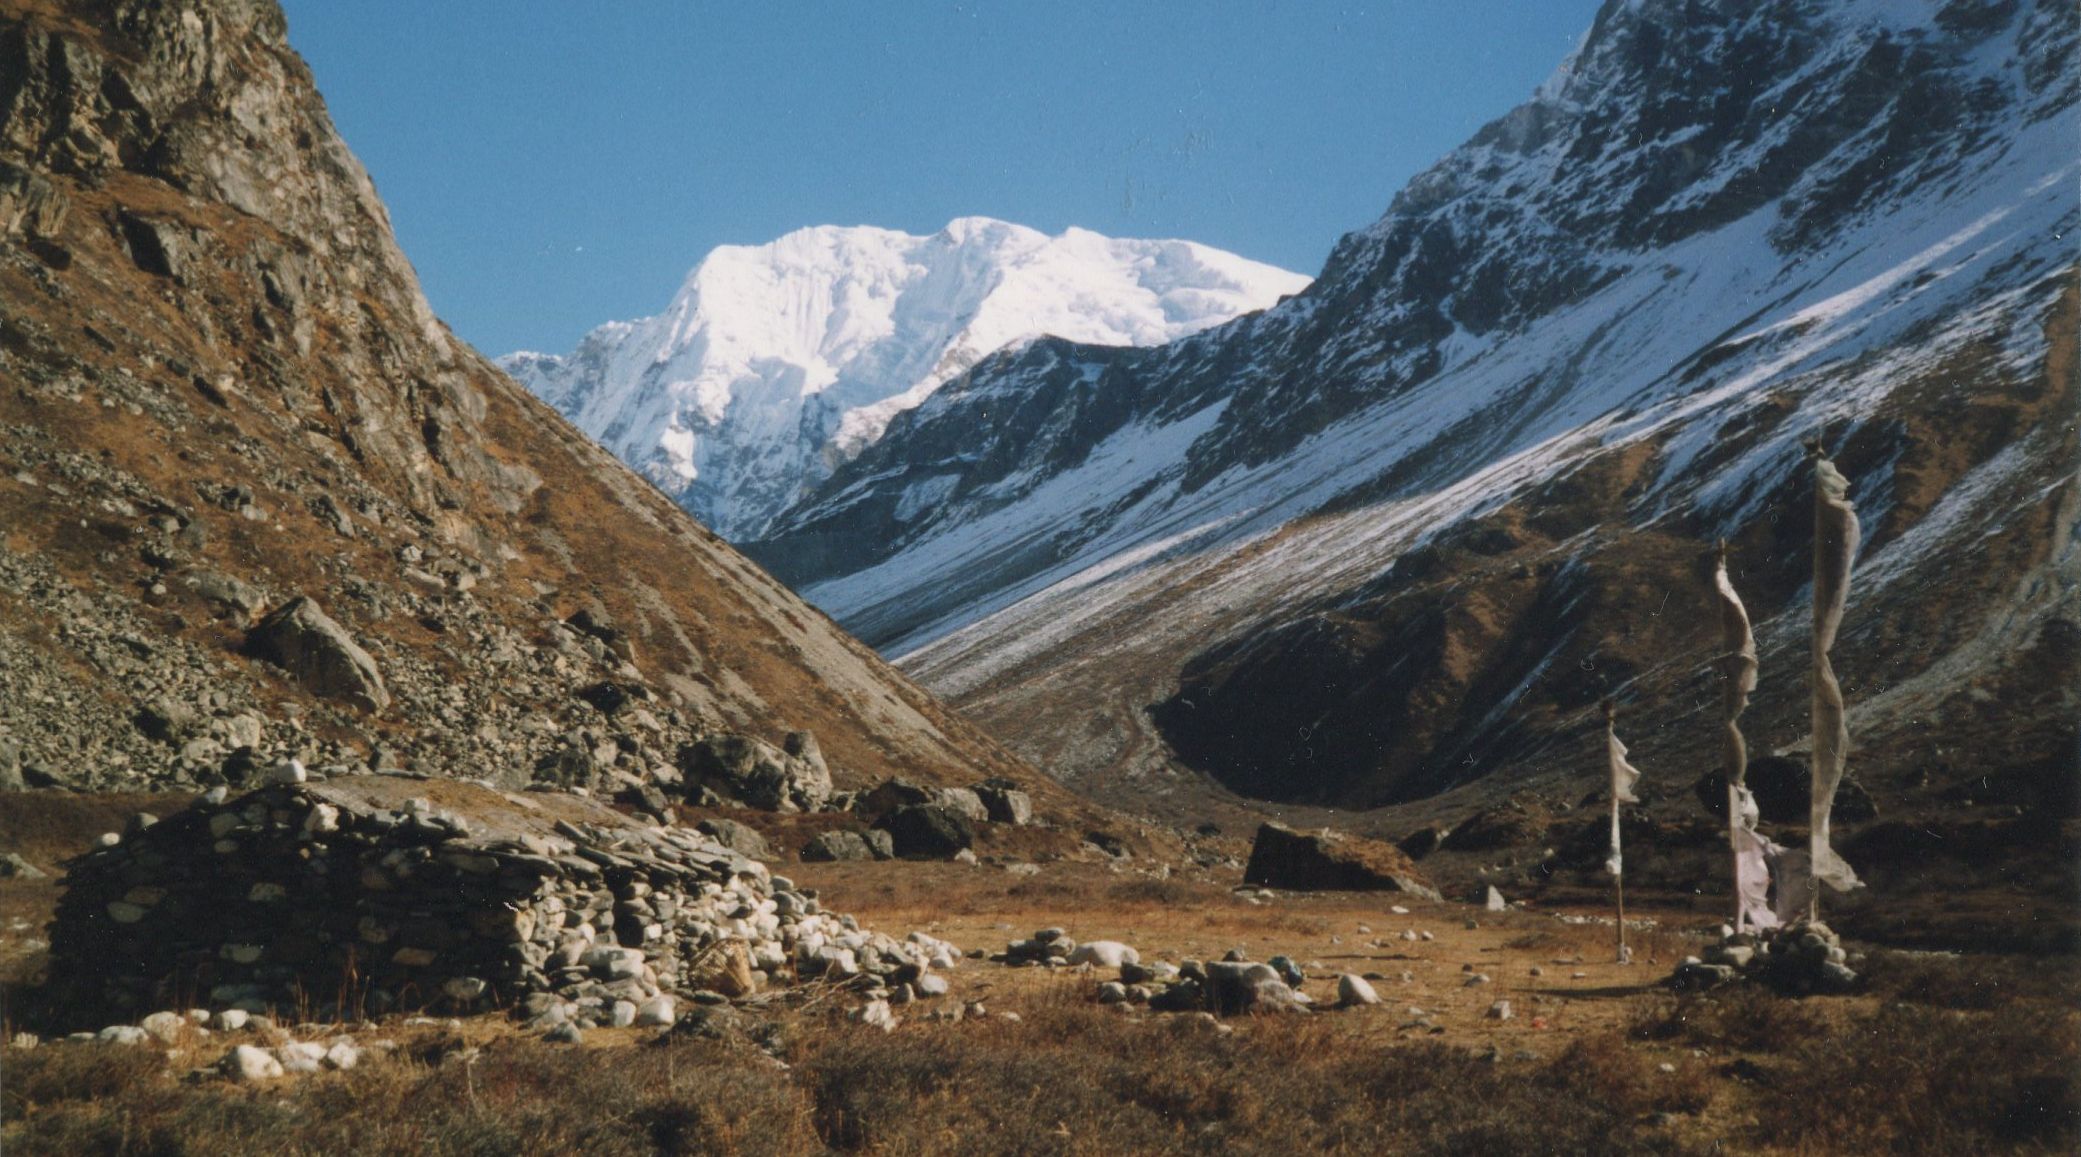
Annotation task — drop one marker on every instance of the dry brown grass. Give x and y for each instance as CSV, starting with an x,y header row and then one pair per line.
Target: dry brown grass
x,y
1070,1078
1904,1079
1746,1019
1982,982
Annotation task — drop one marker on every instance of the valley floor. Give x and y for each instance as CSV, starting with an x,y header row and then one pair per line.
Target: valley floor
x,y
1940,1053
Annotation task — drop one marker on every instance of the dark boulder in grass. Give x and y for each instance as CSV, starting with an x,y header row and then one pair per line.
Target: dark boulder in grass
x,y
1331,861
928,831
839,846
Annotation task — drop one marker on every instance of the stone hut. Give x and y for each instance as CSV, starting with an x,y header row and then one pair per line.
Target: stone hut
x,y
367,894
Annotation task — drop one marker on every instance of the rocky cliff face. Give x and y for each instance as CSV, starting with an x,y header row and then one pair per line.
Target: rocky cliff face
x,y
223,390
1399,534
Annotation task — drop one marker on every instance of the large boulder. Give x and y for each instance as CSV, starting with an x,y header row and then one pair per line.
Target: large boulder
x,y
928,831
837,847
29,203
318,653
1004,802
739,838
966,802
890,794
1325,860
755,773
1241,986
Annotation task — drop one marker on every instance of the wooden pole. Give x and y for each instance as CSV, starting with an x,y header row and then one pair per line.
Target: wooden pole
x,y
1619,882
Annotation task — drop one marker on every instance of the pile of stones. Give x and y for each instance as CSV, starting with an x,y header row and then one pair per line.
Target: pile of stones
x,y
266,1052
366,894
1797,960
1053,948
1233,986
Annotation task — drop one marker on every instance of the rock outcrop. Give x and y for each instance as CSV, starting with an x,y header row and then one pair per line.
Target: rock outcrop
x,y
748,771
1311,861
928,831
302,639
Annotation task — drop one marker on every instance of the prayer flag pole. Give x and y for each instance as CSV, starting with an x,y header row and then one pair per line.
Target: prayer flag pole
x,y
1836,534
1738,663
1623,775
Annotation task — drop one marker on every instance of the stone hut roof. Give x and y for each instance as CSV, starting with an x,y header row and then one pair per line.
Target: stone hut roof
x,y
367,893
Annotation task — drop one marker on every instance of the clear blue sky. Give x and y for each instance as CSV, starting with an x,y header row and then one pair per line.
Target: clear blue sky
x,y
551,165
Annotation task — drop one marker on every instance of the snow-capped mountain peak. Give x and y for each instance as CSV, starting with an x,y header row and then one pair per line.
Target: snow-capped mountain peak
x,y
775,363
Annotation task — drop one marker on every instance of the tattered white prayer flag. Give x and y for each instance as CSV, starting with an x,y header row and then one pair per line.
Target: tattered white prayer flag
x,y
1738,664
1623,775
1836,535
1753,853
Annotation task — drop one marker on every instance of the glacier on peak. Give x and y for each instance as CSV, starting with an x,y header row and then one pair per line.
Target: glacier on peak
x,y
776,363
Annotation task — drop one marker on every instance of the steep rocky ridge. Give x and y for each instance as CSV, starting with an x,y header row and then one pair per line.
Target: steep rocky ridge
x,y
221,388
1391,541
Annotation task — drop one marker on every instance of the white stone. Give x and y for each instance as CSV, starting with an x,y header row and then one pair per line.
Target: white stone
x,y
464,989
122,1034
1104,954
613,963
229,1020
566,1033
1500,1010
658,1011
288,771
301,1056
342,1055
247,1063
623,1014
1354,990
164,1027
876,1014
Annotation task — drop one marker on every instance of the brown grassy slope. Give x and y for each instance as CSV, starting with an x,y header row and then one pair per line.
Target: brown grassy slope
x,y
289,351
